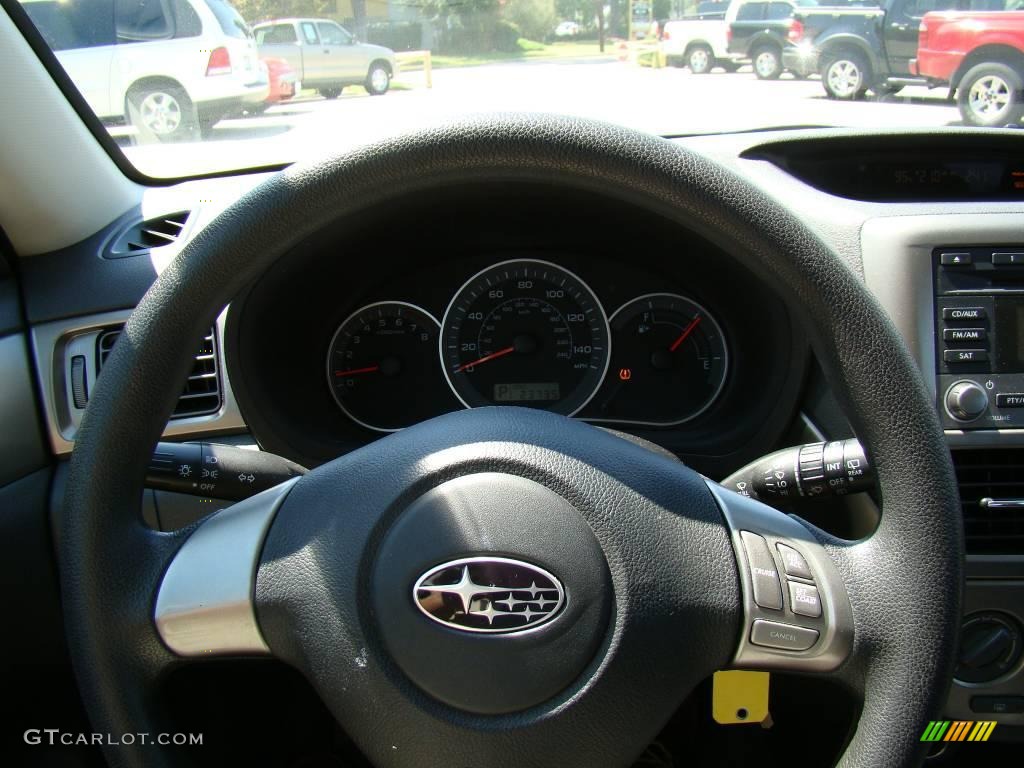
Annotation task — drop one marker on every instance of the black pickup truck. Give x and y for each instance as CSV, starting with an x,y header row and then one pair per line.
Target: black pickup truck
x,y
760,33
856,49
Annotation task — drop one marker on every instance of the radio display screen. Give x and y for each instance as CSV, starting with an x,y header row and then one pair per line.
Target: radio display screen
x,y
1009,332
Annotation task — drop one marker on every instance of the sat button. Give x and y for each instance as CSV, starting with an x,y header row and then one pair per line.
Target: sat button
x,y
964,355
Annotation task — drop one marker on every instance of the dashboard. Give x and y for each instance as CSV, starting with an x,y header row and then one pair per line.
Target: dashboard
x,y
590,307
579,312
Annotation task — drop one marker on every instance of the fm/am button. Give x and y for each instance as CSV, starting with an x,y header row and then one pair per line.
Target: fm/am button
x,y
785,637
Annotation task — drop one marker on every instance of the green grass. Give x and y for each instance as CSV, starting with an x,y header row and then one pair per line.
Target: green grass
x,y
529,50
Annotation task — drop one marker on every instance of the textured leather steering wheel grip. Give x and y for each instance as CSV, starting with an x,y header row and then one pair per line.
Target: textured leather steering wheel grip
x,y
904,582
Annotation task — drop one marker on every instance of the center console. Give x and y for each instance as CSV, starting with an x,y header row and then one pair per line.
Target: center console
x,y
979,333
954,288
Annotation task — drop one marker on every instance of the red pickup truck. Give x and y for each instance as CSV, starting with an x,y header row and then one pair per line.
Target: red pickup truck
x,y
980,55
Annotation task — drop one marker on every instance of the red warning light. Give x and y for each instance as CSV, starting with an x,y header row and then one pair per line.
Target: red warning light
x,y
625,374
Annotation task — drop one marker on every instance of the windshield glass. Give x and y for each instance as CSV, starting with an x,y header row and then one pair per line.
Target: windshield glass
x,y
187,87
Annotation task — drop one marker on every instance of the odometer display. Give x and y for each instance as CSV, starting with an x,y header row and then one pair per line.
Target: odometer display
x,y
528,333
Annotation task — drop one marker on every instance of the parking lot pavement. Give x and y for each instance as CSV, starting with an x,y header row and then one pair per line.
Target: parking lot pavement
x,y
663,101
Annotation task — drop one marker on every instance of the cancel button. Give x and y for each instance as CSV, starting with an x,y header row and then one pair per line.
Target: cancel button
x,y
784,636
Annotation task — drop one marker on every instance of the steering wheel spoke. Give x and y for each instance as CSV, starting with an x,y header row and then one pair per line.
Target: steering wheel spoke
x,y
204,605
797,615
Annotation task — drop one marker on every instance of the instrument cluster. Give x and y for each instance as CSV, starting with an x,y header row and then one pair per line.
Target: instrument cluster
x,y
529,332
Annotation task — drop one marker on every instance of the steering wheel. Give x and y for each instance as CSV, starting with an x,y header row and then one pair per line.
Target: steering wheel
x,y
374,574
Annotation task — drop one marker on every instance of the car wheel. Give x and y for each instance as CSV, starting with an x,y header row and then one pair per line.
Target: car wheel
x,y
845,75
162,113
767,63
378,80
330,93
700,59
990,96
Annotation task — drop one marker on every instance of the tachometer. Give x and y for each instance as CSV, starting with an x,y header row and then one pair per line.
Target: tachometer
x,y
382,367
525,332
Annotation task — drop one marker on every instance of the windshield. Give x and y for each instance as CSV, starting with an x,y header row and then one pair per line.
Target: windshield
x,y
188,87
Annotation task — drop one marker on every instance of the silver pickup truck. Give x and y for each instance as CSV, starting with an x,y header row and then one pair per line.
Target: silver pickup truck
x,y
326,56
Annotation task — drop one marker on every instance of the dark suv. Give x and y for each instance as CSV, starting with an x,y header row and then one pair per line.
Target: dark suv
x,y
760,32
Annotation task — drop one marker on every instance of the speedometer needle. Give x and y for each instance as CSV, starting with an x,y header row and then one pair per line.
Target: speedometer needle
x,y
486,358
686,332
354,371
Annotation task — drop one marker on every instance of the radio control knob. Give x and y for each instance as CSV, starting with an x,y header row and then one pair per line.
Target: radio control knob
x,y
966,401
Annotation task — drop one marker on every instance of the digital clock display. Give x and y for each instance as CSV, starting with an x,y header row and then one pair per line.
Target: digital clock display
x,y
913,174
949,177
527,393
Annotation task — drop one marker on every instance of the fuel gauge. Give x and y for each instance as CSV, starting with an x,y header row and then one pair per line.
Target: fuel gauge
x,y
669,362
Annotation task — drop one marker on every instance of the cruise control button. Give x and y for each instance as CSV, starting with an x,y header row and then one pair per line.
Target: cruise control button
x,y
963,334
1010,400
793,562
771,634
765,579
963,313
804,599
965,355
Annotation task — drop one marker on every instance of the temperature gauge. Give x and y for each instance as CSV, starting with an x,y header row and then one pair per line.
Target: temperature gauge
x,y
669,362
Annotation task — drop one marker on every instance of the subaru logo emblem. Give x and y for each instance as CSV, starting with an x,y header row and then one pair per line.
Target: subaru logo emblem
x,y
489,594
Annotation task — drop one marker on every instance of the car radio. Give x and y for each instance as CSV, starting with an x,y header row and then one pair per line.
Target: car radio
x,y
979,333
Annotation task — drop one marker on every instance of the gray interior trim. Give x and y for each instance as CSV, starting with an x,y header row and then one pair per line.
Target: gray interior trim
x,y
205,602
91,191
54,344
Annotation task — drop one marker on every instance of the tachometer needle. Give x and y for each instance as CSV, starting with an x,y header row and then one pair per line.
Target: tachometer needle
x,y
486,358
354,371
686,332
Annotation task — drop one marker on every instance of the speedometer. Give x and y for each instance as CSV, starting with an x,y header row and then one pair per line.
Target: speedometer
x,y
525,332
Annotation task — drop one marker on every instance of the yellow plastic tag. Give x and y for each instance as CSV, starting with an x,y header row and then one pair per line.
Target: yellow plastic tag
x,y
739,696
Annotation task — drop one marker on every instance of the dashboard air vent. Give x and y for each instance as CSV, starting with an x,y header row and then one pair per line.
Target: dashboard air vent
x,y
202,393
143,236
987,477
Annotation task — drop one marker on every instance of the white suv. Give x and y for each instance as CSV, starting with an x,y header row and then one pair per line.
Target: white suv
x,y
171,68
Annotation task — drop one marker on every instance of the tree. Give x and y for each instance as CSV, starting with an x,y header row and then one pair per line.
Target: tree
x,y
254,11
359,14
536,19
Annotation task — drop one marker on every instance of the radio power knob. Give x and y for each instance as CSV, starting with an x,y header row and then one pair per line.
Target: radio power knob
x,y
966,401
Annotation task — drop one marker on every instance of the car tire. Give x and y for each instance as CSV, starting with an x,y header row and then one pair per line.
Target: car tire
x,y
330,93
991,95
845,75
700,59
162,113
767,61
378,79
